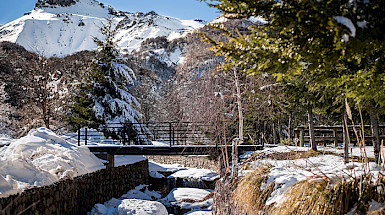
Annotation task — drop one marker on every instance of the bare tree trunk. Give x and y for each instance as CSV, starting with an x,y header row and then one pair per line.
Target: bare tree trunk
x,y
279,131
239,102
234,155
375,132
289,128
240,115
313,144
45,109
226,158
274,134
345,133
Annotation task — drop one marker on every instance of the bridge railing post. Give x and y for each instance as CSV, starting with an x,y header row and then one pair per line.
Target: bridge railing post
x,y
124,133
85,136
173,136
170,133
79,130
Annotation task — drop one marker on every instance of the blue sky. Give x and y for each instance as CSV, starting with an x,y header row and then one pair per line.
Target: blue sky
x,y
183,9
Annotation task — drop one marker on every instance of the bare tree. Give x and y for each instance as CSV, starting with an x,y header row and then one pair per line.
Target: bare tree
x,y
45,91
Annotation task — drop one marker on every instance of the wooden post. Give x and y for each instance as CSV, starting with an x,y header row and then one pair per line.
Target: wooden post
x,y
79,136
301,137
111,160
312,142
335,137
375,131
345,137
85,136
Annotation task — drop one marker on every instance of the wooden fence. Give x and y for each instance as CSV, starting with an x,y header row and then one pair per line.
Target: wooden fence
x,y
334,134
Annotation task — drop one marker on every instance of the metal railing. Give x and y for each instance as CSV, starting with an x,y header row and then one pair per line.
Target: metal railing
x,y
171,133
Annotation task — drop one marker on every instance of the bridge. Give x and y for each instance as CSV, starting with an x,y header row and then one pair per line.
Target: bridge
x,y
167,150
111,150
169,138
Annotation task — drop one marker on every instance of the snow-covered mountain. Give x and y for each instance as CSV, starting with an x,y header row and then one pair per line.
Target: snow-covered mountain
x,y
63,27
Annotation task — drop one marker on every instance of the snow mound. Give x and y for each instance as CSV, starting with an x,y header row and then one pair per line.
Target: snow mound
x,y
121,160
140,207
156,174
153,166
200,174
142,192
200,212
177,196
355,151
5,140
126,204
42,158
274,149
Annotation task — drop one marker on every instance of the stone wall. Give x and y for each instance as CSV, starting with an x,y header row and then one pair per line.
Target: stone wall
x,y
77,195
203,162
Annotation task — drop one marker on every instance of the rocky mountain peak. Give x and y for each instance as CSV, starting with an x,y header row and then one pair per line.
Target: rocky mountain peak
x,y
48,3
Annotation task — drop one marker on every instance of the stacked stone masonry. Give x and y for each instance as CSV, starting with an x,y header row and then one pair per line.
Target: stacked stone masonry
x,y
77,195
203,162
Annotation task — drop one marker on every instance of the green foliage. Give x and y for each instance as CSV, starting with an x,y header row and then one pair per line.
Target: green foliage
x,y
81,114
102,97
318,60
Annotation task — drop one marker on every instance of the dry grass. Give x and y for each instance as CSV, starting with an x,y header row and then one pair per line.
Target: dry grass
x,y
249,197
320,196
292,155
317,195
224,198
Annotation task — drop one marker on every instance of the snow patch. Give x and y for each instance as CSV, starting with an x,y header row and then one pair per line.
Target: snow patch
x,y
121,160
177,195
140,207
153,166
286,173
347,23
42,158
193,173
135,201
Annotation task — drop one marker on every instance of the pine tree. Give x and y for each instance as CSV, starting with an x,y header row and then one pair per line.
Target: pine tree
x,y
336,44
102,100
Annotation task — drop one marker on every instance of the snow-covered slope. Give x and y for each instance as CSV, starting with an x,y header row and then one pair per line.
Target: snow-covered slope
x,y
54,30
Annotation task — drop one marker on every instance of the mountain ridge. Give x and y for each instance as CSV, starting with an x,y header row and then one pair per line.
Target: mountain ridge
x,y
63,27
63,3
